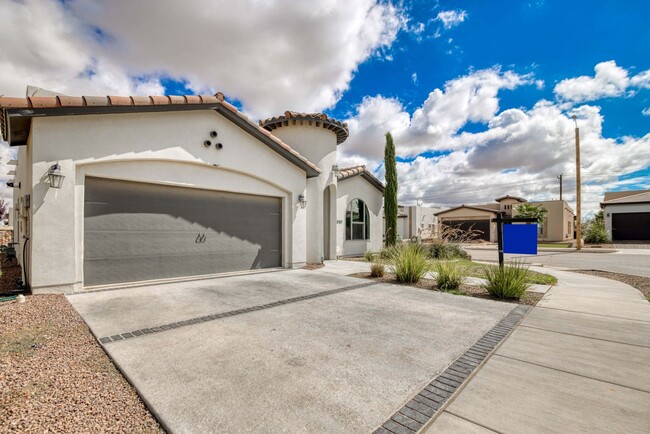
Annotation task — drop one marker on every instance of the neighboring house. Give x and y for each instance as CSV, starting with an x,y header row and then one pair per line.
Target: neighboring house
x,y
416,221
169,187
627,215
558,225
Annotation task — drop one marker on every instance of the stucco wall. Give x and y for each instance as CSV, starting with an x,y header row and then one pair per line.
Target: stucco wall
x,y
165,148
318,145
358,188
559,221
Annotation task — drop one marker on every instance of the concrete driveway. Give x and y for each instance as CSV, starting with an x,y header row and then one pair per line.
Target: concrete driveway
x,y
289,351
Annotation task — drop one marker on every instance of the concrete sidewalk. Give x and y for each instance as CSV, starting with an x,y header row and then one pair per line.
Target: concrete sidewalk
x,y
577,363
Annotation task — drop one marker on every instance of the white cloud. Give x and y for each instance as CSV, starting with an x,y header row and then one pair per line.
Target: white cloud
x,y
451,18
271,56
520,151
610,80
470,98
646,111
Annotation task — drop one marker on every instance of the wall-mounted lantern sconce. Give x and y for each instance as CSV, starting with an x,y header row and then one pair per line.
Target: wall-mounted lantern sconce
x,y
55,176
336,170
302,201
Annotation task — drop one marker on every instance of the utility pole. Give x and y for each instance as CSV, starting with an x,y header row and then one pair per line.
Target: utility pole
x,y
578,201
560,178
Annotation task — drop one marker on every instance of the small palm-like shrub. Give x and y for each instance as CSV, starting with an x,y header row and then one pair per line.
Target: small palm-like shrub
x,y
507,282
596,233
377,269
409,262
369,256
450,275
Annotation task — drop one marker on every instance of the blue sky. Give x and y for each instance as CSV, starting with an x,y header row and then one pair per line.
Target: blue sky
x,y
477,94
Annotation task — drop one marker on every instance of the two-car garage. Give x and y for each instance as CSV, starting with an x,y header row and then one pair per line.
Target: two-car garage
x,y
139,231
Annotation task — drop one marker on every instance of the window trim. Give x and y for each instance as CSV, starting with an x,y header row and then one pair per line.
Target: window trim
x,y
350,225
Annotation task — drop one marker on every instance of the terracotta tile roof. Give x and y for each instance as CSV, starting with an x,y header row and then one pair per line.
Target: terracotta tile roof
x,y
642,196
313,119
134,103
507,196
350,172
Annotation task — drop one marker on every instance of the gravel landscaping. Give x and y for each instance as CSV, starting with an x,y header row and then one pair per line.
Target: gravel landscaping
x,y
54,377
639,282
529,298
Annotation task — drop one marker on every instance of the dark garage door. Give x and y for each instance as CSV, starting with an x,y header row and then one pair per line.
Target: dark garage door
x,y
138,231
481,228
631,226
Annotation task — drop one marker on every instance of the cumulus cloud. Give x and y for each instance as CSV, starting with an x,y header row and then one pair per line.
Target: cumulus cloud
x,y
610,80
451,18
271,56
470,98
520,151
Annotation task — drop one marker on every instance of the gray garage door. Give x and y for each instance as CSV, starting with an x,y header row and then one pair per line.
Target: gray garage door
x,y
138,231
633,226
480,228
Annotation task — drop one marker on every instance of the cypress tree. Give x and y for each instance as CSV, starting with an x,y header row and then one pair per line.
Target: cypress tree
x,y
390,195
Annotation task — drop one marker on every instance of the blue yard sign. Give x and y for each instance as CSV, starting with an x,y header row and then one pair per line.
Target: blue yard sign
x,y
520,239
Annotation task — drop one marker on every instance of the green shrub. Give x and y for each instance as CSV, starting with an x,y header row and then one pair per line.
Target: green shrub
x,y
596,232
507,282
409,262
377,269
445,250
450,275
369,256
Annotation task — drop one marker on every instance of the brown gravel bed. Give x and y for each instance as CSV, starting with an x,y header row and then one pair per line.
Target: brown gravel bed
x,y
313,266
639,282
55,378
529,298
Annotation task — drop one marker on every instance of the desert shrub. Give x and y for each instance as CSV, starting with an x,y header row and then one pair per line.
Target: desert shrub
x,y
507,282
377,269
409,262
450,275
445,250
595,232
369,256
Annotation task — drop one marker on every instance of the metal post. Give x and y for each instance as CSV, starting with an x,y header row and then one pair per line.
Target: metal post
x,y
560,178
500,238
578,198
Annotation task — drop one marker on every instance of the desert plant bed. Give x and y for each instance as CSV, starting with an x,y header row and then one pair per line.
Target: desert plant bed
x,y
475,269
529,298
54,376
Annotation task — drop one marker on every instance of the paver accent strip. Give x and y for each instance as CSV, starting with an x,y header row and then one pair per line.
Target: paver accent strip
x,y
425,405
137,333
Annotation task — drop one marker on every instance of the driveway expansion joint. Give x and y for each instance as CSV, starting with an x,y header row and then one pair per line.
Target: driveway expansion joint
x,y
212,317
426,404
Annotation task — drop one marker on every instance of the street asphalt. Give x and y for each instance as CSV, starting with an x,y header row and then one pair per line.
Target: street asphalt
x,y
627,261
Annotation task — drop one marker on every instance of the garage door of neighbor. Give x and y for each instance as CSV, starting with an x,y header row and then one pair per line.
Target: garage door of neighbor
x,y
631,226
139,231
481,228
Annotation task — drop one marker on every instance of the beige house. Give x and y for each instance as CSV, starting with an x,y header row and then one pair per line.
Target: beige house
x,y
558,225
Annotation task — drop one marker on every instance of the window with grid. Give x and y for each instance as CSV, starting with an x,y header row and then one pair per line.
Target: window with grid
x,y
357,221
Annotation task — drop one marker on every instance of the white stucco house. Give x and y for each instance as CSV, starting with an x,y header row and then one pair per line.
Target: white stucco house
x,y
627,215
174,187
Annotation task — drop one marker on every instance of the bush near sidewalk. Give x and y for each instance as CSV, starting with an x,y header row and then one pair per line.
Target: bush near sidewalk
x,y
508,282
409,262
450,275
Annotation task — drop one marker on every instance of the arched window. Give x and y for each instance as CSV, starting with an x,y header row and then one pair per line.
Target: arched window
x,y
357,221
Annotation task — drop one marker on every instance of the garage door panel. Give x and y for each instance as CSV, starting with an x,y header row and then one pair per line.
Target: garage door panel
x,y
136,231
631,226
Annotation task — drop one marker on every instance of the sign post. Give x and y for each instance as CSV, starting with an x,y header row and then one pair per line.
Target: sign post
x,y
519,238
